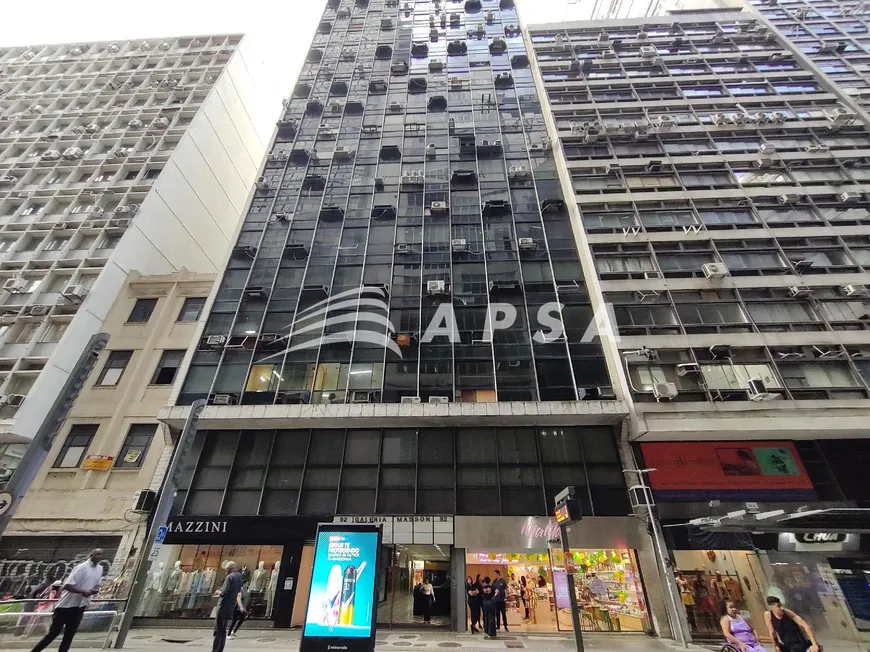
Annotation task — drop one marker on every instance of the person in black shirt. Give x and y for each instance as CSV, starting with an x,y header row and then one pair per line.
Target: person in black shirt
x,y
788,630
472,594
500,587
229,599
487,594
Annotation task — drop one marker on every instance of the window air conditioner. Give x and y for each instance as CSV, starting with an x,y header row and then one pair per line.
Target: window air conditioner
x,y
855,291
438,400
797,292
215,341
360,396
665,390
688,368
410,400
845,197
714,270
527,244
262,184
135,124
438,208
788,199
161,123
72,153
403,248
223,399
434,288
758,391
74,293
36,311
459,244
343,153
14,400
15,285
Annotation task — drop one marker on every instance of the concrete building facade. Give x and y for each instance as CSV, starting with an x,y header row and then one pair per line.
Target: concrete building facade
x,y
112,446
720,207
114,156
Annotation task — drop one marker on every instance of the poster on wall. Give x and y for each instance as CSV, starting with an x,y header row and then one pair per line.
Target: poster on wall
x,y
341,611
560,585
727,470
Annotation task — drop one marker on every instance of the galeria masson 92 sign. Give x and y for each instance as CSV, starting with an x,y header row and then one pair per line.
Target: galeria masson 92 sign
x,y
361,315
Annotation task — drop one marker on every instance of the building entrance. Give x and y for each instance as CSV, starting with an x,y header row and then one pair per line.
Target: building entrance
x,y
401,599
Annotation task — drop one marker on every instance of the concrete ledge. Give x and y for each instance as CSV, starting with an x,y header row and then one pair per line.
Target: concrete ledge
x,y
393,415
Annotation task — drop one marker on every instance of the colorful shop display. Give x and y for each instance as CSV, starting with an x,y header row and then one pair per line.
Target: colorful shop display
x,y
607,585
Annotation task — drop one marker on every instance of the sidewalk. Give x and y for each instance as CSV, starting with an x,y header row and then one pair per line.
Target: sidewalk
x,y
259,641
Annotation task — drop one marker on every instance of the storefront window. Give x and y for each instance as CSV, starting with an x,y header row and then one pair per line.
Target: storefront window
x,y
607,583
182,583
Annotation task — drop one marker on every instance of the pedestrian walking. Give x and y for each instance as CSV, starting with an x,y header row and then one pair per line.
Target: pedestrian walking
x,y
487,595
83,582
500,587
229,599
790,632
240,612
472,593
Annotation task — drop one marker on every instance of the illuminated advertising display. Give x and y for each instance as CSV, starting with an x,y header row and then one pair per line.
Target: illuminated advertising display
x,y
727,470
341,612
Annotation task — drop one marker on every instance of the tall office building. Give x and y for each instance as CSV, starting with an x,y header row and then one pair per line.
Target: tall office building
x,y
718,186
114,156
411,182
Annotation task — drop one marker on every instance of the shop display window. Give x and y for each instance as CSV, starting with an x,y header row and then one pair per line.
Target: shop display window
x,y
607,584
184,580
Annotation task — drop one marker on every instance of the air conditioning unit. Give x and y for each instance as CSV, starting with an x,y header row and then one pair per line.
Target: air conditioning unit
x,y
758,392
665,390
438,208
126,209
223,399
14,400
459,244
434,288
410,400
797,292
161,123
438,400
436,65
527,244
855,291
688,368
403,248
518,172
114,48
648,51
343,153
714,270
118,223
412,177
395,107
74,293
360,396
135,124
845,197
36,311
51,155
72,153
7,180
15,285
255,292
788,199
215,341
262,184
767,149
431,150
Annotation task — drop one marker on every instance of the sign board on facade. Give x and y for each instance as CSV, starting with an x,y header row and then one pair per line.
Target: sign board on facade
x,y
727,470
817,542
407,529
97,463
342,600
161,534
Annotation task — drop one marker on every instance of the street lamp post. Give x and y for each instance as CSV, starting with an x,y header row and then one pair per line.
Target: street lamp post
x,y
567,511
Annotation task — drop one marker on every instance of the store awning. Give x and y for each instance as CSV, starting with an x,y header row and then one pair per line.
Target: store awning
x,y
831,519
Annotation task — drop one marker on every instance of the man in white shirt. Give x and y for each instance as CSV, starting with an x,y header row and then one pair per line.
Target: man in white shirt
x,y
82,583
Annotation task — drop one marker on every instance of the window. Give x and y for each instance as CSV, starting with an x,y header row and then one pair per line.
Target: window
x,y
191,309
142,311
74,448
135,446
54,332
167,368
114,368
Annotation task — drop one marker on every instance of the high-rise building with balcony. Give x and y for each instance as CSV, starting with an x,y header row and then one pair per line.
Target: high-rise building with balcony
x,y
715,177
404,334
113,156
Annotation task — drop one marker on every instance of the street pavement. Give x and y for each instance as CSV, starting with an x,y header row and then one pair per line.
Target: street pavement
x,y
261,640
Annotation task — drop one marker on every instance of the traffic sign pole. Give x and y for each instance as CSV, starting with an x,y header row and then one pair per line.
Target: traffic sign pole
x,y
567,511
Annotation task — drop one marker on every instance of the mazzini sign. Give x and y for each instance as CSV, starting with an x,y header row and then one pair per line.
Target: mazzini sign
x,y
197,526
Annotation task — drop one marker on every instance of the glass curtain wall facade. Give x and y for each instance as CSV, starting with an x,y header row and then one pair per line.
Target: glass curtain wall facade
x,y
411,180
722,187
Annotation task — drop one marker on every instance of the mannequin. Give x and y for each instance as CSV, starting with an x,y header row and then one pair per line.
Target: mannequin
x,y
150,604
273,586
259,579
174,578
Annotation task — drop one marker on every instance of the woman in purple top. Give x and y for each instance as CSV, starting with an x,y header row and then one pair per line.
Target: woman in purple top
x,y
738,631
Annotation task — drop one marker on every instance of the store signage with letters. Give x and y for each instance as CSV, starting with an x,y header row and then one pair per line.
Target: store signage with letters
x,y
821,537
407,529
230,530
550,531
818,542
197,526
